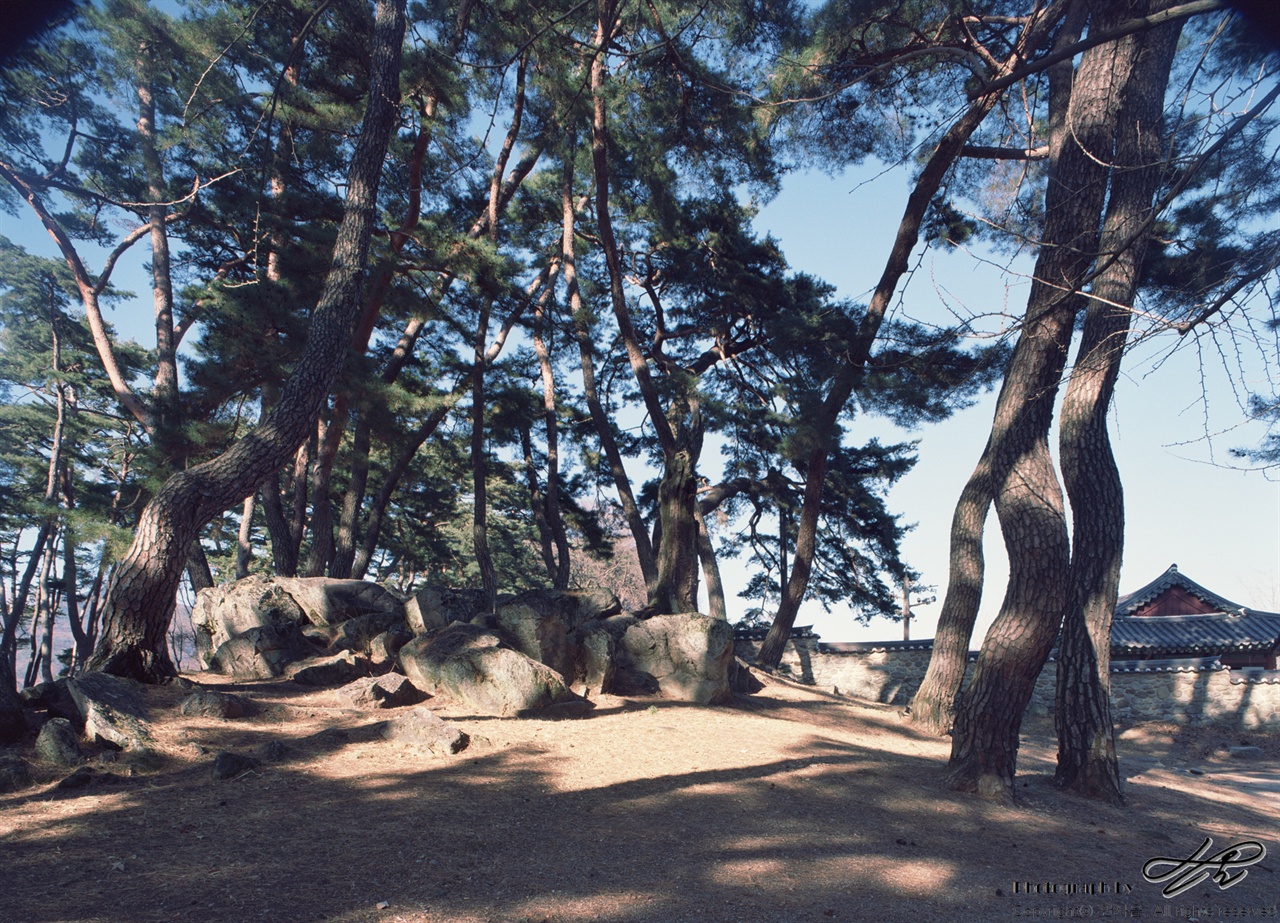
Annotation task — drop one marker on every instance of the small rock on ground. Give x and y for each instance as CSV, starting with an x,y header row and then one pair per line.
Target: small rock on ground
x,y
228,765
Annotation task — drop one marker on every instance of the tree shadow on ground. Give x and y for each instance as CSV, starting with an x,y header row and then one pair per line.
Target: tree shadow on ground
x,y
825,829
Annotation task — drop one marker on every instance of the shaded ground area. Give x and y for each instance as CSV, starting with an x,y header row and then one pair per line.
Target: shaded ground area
x,y
791,805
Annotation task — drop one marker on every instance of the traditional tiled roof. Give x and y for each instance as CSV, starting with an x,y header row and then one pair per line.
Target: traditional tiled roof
x,y
1128,604
1242,630
870,647
1176,665
1255,676
757,634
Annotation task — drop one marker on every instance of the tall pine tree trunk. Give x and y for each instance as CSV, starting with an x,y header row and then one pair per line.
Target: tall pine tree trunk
x,y
582,325
559,564
1087,761
825,426
933,706
140,601
1029,500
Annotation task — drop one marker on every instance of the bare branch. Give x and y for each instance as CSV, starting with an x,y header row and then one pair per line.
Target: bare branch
x,y
979,152
1195,8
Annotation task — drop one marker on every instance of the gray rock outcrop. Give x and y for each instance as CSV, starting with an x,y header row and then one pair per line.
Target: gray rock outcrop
x,y
475,667
58,743
375,692
254,628
262,652
423,728
209,703
328,602
229,610
435,607
114,710
335,670
542,623
688,654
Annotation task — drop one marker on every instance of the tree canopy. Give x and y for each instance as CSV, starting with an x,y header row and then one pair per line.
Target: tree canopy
x,y
483,301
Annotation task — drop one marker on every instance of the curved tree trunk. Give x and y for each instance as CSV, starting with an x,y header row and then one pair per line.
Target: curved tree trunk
x,y
716,607
559,561
140,600
1029,503
1087,761
934,704
825,426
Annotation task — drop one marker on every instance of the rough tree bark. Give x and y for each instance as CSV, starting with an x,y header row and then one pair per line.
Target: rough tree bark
x,y
558,552
582,326
1029,501
140,600
1087,761
826,424
675,585
347,541
244,550
933,706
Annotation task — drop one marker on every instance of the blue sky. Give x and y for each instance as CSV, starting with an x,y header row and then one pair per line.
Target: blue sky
x,y
1187,501
1173,423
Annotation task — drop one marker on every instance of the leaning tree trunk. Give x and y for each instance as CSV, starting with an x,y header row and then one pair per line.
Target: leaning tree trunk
x,y
985,738
140,601
582,326
1029,502
825,427
1087,761
934,704
716,607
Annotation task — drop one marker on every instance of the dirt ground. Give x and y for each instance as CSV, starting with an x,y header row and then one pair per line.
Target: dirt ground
x,y
790,805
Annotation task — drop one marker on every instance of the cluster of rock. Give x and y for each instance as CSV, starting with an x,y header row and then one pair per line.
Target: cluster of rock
x,y
540,652
76,717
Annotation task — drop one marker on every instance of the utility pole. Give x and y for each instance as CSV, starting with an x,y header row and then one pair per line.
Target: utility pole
x,y
907,588
906,608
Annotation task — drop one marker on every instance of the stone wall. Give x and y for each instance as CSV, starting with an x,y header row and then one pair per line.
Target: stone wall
x,y
1190,692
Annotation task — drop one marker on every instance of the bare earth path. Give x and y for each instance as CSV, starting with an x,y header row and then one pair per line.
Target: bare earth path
x,y
791,805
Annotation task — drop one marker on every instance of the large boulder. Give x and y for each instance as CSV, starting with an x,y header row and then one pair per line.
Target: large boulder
x,y
328,602
260,653
58,743
592,651
474,667
357,634
255,627
209,703
385,648
114,710
229,610
687,654
540,622
434,607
